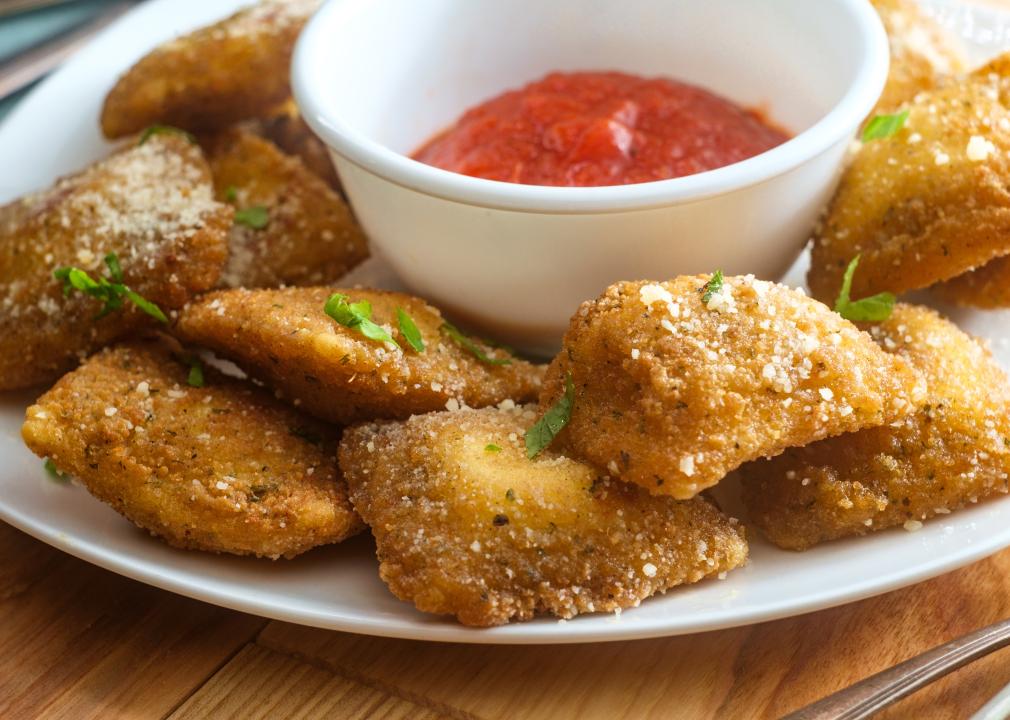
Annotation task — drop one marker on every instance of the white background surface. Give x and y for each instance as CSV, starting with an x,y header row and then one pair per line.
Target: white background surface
x,y
55,131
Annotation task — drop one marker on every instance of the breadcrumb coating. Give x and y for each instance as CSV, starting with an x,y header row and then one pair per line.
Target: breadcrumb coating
x,y
288,130
286,339
466,525
987,287
673,392
922,52
223,467
310,237
152,205
954,451
234,69
929,202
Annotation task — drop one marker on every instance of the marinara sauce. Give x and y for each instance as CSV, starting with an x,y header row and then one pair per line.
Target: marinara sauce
x,y
599,128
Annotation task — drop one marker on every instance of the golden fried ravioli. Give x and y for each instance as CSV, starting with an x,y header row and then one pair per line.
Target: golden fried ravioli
x,y
151,205
290,227
466,525
929,202
955,450
676,384
922,53
223,467
985,287
336,373
237,68
288,130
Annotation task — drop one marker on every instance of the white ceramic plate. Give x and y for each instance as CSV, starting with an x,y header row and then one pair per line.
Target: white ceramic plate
x,y
55,131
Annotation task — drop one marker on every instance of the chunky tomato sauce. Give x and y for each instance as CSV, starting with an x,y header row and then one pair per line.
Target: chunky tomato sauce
x,y
599,128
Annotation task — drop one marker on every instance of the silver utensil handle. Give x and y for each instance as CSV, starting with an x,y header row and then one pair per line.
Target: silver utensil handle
x,y
874,693
33,64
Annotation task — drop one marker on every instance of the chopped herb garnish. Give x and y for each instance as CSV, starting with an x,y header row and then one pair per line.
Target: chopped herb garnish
x,y
554,420
231,193
500,520
195,377
870,309
54,472
111,293
712,287
153,130
408,328
883,126
510,494
357,316
465,342
115,270
491,447
257,217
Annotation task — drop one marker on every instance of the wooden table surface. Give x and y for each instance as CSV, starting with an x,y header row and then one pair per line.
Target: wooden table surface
x,y
79,642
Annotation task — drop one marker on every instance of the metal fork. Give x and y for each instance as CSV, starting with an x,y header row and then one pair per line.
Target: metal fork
x,y
878,691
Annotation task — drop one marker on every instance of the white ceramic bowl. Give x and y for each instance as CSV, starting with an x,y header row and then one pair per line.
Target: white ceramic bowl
x,y
377,78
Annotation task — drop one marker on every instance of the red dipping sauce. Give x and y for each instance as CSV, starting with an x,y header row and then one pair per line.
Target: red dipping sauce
x,y
600,128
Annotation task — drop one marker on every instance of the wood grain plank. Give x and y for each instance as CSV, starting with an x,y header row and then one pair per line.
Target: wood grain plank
x,y
77,641
259,683
761,671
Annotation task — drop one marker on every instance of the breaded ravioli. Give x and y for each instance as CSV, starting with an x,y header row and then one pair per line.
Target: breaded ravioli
x,y
288,130
678,383
223,467
922,52
954,451
335,372
928,203
985,287
466,525
152,206
235,69
290,227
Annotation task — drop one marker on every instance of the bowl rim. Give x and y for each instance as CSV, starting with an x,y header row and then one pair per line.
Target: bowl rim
x,y
358,148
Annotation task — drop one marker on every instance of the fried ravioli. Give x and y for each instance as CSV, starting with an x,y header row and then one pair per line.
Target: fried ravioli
x,y
929,202
151,205
466,525
305,233
285,338
987,287
288,130
235,69
922,53
676,384
952,452
223,467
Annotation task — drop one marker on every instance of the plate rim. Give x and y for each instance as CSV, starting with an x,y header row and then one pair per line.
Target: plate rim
x,y
584,629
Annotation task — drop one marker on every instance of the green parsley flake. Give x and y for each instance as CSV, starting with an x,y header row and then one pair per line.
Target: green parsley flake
x,y
195,377
712,287
257,217
54,472
408,328
465,342
554,420
231,193
492,448
884,126
357,316
153,130
870,309
111,293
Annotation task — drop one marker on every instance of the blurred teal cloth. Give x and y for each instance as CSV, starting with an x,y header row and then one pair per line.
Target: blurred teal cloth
x,y
25,30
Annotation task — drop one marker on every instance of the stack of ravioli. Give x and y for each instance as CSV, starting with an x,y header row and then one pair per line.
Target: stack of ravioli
x,y
497,489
